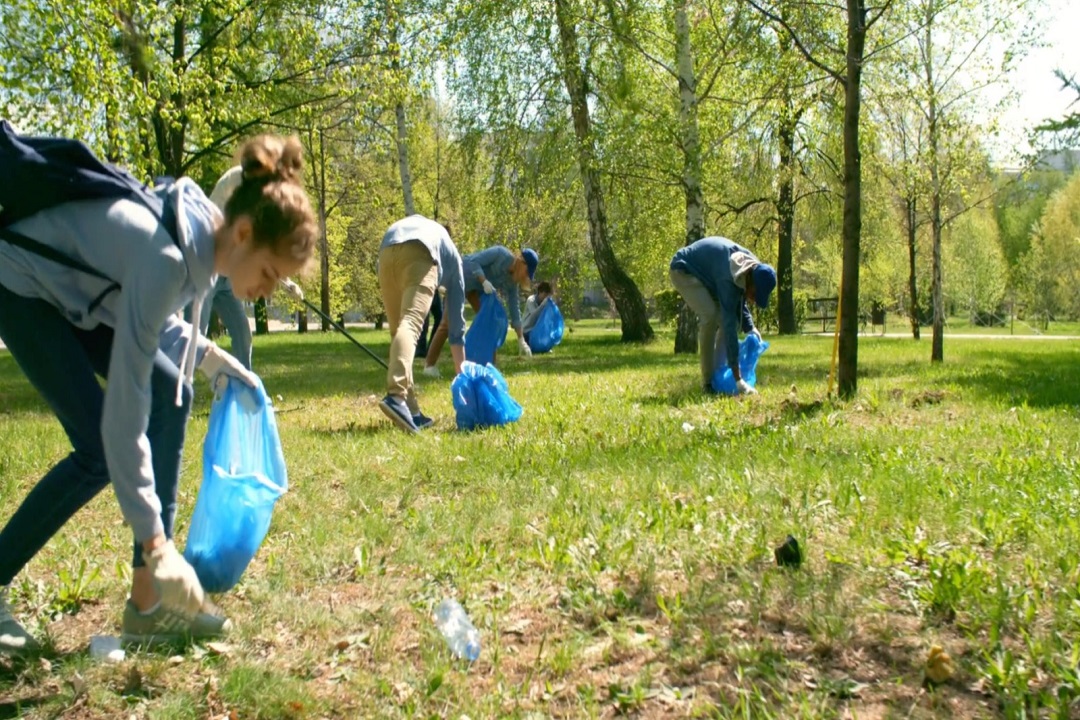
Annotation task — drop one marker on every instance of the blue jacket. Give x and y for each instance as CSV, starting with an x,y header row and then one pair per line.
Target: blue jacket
x,y
494,265
715,261
124,240
446,256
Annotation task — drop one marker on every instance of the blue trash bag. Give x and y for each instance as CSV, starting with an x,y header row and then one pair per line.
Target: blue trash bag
x,y
487,332
750,349
548,330
243,476
482,398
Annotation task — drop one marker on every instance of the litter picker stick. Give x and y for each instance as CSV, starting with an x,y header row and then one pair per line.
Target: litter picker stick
x,y
345,332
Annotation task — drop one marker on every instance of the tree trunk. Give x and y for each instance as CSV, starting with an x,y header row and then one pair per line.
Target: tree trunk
x,y
785,208
324,244
909,212
401,134
262,322
402,139
852,223
301,321
686,330
622,289
937,346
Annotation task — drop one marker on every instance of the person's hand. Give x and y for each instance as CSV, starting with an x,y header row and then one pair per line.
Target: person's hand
x,y
523,348
293,289
488,287
755,331
217,364
177,584
744,388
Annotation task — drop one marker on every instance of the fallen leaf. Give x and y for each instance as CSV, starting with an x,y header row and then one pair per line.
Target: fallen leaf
x,y
218,648
939,666
517,628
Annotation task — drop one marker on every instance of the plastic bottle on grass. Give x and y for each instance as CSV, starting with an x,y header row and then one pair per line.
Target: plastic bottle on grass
x,y
455,626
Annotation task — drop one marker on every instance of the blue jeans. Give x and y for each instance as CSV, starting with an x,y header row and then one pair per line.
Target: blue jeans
x,y
222,300
61,361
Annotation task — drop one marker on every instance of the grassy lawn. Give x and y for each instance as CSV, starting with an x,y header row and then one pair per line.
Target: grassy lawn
x,y
615,546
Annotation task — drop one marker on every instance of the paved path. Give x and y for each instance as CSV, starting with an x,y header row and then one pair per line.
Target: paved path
x,y
964,336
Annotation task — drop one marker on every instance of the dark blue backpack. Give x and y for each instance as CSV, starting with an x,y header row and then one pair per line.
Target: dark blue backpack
x,y
37,173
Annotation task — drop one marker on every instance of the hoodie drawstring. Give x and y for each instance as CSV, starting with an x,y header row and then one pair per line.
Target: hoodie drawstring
x,y
187,360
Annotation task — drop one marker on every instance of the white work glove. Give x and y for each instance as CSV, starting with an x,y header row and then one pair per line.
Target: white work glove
x,y
744,388
488,287
293,289
757,332
217,364
523,348
177,584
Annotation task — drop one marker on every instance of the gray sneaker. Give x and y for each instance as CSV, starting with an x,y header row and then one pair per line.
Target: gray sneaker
x,y
14,640
167,627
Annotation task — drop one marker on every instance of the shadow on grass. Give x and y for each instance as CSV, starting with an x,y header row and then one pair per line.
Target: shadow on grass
x,y
18,708
1037,377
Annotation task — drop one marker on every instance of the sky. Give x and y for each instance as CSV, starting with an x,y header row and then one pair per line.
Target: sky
x,y
1039,92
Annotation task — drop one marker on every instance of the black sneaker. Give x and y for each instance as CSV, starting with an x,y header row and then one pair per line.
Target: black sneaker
x,y
422,421
398,412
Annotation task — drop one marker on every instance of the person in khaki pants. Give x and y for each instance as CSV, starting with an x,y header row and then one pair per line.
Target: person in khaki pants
x,y
717,278
417,257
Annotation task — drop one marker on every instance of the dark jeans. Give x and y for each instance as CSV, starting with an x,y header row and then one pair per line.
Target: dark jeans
x,y
61,361
222,300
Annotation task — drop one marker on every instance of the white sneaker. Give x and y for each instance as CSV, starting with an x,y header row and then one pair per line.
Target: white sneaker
x,y
14,640
432,371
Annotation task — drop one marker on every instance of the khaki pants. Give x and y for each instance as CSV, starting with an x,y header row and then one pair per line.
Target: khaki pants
x,y
438,338
408,277
710,331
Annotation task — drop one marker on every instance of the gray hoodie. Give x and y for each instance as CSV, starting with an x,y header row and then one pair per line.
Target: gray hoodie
x,y
124,240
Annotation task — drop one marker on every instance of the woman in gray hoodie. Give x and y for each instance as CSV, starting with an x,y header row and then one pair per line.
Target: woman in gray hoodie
x,y
64,333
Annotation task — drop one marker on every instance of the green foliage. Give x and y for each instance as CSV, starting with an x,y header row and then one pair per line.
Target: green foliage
x,y
667,302
975,263
767,319
1059,245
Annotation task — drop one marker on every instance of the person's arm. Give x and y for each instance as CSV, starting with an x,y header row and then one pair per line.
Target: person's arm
x,y
453,281
729,322
144,323
513,299
747,318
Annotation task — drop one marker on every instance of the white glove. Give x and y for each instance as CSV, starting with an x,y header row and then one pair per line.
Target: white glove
x,y
176,581
757,332
744,388
293,289
488,287
523,348
217,364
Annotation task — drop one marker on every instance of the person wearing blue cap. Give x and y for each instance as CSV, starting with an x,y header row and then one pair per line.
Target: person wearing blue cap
x,y
716,277
496,268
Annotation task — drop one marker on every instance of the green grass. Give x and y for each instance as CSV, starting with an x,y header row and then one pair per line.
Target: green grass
x,y
614,546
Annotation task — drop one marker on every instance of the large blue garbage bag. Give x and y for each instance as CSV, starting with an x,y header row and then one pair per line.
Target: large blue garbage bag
x,y
243,476
750,349
482,398
549,328
487,332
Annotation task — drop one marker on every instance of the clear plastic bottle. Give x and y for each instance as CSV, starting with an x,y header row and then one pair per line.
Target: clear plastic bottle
x,y
455,626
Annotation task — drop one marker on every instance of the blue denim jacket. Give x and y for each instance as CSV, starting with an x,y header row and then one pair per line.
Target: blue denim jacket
x,y
494,264
710,261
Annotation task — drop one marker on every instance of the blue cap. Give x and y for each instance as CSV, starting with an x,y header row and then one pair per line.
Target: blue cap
x,y
531,261
764,282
